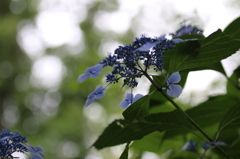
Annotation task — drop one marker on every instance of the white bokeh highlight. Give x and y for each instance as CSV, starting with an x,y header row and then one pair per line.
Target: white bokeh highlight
x,y
47,72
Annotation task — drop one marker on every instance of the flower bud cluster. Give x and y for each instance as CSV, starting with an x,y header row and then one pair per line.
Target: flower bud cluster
x,y
15,142
130,61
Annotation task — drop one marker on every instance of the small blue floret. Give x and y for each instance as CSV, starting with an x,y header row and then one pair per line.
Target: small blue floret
x,y
96,94
92,72
129,100
174,90
190,146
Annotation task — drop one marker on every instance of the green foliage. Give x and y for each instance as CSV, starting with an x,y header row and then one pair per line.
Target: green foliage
x,y
138,110
198,53
232,116
124,155
153,125
123,131
233,30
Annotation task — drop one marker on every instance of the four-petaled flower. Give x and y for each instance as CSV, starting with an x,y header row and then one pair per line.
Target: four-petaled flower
x,y
96,94
129,100
174,90
92,72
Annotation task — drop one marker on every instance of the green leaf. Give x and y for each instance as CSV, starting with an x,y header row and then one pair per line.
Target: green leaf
x,y
232,115
124,155
124,131
211,111
156,98
198,53
138,109
149,143
233,84
233,29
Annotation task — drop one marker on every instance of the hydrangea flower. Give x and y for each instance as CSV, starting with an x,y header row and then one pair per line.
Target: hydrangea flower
x,y
129,100
15,142
96,94
188,30
190,146
174,90
130,61
92,72
10,143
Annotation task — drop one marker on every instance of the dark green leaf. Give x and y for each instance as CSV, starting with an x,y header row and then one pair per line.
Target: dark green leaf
x,y
211,111
233,84
138,109
234,148
124,155
233,29
123,131
159,80
232,115
156,98
200,53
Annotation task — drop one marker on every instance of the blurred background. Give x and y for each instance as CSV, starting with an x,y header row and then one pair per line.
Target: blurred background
x,y
46,44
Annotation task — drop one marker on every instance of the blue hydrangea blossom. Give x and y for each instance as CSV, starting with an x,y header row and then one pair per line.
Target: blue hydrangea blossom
x,y
92,72
132,61
14,142
188,30
96,94
129,100
174,90
190,146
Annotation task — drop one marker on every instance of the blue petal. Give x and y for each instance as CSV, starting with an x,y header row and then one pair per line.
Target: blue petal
x,y
83,77
124,104
129,97
98,92
90,99
146,47
94,74
178,40
137,96
174,78
190,146
218,143
91,72
97,67
174,90
206,146
127,101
